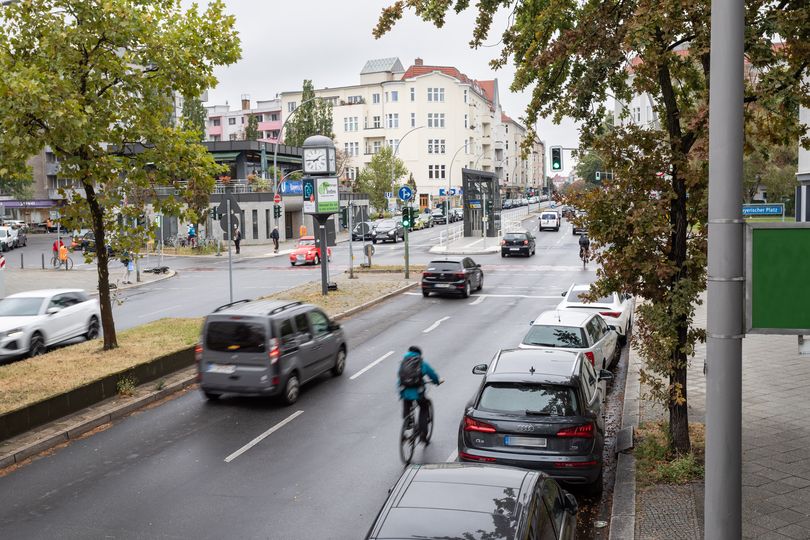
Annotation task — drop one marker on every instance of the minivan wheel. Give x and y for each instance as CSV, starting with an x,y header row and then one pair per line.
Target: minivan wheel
x,y
466,293
340,363
291,390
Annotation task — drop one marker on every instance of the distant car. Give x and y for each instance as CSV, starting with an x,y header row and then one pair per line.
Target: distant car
x,y
32,321
362,231
507,204
539,410
577,331
579,220
424,221
308,252
267,348
6,239
458,214
566,211
22,238
453,275
466,501
16,223
615,308
518,243
439,217
388,230
549,219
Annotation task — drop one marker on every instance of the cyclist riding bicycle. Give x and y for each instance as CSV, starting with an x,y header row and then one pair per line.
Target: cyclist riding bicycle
x,y
411,384
584,246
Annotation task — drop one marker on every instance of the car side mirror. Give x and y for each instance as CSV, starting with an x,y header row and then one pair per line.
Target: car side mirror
x,y
480,369
333,326
531,323
52,310
478,266
605,375
571,504
564,293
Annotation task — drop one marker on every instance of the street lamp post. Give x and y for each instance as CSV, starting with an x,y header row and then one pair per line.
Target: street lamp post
x,y
393,158
449,187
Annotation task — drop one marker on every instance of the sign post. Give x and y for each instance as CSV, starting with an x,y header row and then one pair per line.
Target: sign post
x,y
406,194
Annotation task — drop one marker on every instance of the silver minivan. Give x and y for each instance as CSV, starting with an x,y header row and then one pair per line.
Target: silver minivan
x,y
267,348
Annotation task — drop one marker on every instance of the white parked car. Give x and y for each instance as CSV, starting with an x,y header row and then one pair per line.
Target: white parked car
x,y
579,331
32,321
616,308
550,219
8,238
16,223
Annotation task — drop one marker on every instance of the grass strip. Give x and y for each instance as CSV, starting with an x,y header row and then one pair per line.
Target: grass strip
x,y
655,464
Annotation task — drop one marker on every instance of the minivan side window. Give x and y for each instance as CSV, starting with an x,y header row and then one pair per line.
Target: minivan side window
x,y
287,332
320,324
302,325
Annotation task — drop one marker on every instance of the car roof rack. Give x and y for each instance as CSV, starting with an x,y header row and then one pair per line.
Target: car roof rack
x,y
279,309
226,306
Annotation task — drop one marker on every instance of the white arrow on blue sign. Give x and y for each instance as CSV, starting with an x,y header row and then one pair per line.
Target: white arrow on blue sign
x,y
405,193
452,191
441,192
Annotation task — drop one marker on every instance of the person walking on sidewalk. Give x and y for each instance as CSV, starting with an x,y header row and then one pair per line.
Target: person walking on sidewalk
x,y
237,237
126,260
274,236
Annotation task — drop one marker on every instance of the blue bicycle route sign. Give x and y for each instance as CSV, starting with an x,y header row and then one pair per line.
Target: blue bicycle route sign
x,y
405,193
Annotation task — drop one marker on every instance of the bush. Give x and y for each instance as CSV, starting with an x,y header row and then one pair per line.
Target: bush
x,y
655,464
126,385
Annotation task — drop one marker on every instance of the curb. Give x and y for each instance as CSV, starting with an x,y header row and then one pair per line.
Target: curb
x,y
225,252
76,430
623,513
370,303
169,274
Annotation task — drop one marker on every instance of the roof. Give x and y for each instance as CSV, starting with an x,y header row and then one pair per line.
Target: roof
x,y
456,259
489,89
257,307
381,65
564,317
548,364
42,293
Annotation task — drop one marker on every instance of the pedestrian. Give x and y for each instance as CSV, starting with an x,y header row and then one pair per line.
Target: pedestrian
x,y
129,266
274,236
55,248
192,235
237,237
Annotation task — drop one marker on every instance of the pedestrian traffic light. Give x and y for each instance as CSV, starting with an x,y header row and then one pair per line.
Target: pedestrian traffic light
x,y
216,215
276,211
407,219
556,158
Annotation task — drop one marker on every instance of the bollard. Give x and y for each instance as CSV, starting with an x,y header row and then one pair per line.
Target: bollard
x,y
43,261
22,261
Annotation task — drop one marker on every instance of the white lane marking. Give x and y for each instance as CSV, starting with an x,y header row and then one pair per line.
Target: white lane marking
x,y
478,300
435,325
156,312
452,457
371,365
263,436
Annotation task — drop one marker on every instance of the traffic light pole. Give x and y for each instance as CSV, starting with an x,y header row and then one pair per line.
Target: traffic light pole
x,y
407,254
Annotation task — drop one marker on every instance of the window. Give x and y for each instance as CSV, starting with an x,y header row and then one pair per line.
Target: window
x,y
291,106
302,325
413,94
394,96
435,120
552,399
274,134
216,138
393,143
350,123
215,122
254,216
636,114
465,95
286,331
375,122
436,146
375,147
392,120
232,137
436,94
259,117
243,120
572,337
351,148
231,121
413,119
355,99
319,322
375,98
274,117
466,123
235,337
351,172
436,172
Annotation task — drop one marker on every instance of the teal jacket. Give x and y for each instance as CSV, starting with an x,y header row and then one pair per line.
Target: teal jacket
x,y
413,393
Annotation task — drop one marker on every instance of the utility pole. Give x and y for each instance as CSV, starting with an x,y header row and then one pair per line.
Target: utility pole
x,y
723,504
230,258
351,254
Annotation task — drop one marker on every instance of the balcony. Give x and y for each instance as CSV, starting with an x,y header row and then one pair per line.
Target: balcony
x,y
486,140
52,168
54,193
499,145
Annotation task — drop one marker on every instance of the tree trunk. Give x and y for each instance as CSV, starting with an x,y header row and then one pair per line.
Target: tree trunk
x,y
107,322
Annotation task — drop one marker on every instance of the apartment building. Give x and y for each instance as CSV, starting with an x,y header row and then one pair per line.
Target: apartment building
x,y
438,119
803,173
223,124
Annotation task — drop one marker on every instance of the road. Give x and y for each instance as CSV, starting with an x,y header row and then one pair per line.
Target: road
x,y
186,468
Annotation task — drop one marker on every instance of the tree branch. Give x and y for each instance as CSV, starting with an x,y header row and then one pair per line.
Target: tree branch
x,y
681,41
796,75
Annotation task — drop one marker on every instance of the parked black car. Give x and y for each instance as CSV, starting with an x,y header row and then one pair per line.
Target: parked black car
x,y
388,230
538,409
455,500
518,243
439,217
454,275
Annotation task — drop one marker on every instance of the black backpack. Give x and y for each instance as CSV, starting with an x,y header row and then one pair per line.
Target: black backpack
x,y
410,372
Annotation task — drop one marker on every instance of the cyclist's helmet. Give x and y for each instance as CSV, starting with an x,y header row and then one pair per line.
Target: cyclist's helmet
x,y
415,349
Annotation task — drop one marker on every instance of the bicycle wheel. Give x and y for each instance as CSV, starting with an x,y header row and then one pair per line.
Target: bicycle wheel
x,y
69,263
407,441
55,262
429,433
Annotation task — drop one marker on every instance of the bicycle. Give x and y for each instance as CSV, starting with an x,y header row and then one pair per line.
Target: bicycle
x,y
584,255
409,434
56,263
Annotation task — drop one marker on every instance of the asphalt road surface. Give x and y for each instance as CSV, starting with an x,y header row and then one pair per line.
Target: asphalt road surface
x,y
250,468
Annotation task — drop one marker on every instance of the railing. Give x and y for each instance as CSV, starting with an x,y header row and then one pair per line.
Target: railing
x,y
451,234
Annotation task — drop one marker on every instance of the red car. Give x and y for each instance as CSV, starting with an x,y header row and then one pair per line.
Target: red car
x,y
307,252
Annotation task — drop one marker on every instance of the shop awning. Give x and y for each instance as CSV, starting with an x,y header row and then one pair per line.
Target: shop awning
x,y
225,156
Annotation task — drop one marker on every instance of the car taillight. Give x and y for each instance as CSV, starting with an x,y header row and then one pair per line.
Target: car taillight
x,y
525,242
585,431
614,314
465,455
460,275
503,242
275,351
591,358
470,424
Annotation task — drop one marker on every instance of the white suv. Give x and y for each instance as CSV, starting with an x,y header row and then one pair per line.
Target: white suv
x,y
8,238
616,308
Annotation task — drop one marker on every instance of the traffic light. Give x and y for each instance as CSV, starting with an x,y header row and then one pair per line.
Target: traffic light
x,y
276,211
216,215
407,219
556,158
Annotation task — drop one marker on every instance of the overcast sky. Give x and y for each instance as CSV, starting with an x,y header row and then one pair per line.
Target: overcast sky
x,y
329,41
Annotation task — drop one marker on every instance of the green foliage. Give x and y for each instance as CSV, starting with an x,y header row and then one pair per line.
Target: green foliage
x,y
252,129
587,167
657,464
194,116
95,82
312,117
377,178
126,385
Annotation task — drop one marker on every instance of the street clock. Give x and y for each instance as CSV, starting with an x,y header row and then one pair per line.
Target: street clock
x,y
319,158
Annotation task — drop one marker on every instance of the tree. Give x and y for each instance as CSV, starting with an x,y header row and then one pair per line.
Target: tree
x,y
375,179
650,229
95,82
252,129
588,166
312,117
194,116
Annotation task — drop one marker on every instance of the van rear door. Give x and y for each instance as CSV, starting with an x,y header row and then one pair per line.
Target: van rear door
x,y
235,352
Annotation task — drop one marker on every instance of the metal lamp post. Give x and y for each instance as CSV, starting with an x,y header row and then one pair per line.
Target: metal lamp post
x,y
449,185
393,158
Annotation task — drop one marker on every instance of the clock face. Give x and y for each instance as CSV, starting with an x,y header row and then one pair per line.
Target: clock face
x,y
315,160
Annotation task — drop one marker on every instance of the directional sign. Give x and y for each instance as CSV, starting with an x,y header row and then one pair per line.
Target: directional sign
x,y
452,191
405,193
389,194
441,192
763,209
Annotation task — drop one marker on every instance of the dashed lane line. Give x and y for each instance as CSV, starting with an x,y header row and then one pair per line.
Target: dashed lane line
x,y
371,365
263,436
452,457
434,326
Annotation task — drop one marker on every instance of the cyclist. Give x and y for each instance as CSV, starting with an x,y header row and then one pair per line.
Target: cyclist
x,y
584,246
411,384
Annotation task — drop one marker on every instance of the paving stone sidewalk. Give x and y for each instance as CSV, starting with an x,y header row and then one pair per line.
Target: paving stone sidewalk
x,y
776,447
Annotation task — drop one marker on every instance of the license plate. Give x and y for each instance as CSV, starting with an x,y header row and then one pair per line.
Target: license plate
x,y
299,257
443,285
221,368
514,249
536,442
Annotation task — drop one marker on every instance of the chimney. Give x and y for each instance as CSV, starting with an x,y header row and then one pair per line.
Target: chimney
x,y
245,102
418,62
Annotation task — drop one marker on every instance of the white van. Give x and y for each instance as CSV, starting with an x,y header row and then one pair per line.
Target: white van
x,y
549,219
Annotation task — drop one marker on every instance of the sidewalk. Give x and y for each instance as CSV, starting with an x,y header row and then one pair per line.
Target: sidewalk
x,y
776,447
17,280
253,251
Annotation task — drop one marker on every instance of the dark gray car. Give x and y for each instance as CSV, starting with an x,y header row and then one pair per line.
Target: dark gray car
x,y
388,230
538,409
267,348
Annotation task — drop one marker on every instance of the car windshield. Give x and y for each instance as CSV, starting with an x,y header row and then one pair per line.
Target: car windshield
x,y
530,399
444,266
514,236
555,336
227,336
387,224
549,216
578,297
20,307
306,242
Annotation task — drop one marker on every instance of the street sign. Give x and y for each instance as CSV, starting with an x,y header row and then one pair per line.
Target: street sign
x,y
452,191
308,189
441,192
405,193
475,203
776,209
277,198
389,194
